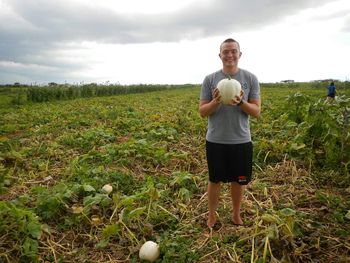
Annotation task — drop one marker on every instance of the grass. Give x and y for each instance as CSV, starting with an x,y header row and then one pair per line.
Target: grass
x,y
55,158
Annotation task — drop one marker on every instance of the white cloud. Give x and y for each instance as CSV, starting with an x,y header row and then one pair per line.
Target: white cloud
x,y
142,7
171,41
301,47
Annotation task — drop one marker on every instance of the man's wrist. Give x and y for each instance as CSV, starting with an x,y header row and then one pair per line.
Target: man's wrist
x,y
240,103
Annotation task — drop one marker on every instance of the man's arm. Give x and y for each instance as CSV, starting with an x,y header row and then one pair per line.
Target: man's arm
x,y
206,107
252,107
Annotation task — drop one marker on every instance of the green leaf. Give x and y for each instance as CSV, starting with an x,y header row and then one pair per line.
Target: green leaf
x,y
34,229
268,218
296,147
88,188
110,231
128,201
102,244
30,247
347,216
137,212
287,212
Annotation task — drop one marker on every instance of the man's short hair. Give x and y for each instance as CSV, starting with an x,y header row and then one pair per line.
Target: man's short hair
x,y
229,40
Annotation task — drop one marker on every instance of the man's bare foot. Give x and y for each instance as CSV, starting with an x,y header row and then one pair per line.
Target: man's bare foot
x,y
211,220
237,220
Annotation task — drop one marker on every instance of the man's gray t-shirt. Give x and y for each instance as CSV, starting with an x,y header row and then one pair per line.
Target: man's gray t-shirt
x,y
230,124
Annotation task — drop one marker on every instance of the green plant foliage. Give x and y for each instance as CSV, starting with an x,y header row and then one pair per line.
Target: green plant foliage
x,y
176,248
22,230
55,157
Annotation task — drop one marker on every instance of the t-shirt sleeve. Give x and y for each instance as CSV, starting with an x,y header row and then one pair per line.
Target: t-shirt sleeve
x,y
255,88
206,90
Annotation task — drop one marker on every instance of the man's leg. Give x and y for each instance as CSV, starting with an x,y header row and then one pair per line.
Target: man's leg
x,y
213,201
237,191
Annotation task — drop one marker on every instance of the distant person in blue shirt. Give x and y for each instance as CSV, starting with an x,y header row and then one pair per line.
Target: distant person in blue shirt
x,y
331,92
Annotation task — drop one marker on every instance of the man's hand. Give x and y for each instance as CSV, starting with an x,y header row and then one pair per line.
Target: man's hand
x,y
206,107
237,99
216,95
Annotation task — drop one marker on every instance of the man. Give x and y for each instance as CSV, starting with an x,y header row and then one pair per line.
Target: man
x,y
229,147
331,92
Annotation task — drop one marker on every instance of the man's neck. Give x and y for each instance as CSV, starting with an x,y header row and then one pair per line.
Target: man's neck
x,y
230,70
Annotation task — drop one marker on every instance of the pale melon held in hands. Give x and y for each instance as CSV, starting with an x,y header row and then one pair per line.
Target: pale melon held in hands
x,y
229,89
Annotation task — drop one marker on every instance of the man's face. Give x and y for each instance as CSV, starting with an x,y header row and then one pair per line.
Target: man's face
x,y
230,54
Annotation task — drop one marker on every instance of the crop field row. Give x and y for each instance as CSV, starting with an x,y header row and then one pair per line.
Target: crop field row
x,y
56,156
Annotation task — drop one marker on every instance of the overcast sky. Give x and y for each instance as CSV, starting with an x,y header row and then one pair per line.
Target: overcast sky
x,y
171,42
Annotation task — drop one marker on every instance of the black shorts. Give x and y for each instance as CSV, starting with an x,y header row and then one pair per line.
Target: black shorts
x,y
230,162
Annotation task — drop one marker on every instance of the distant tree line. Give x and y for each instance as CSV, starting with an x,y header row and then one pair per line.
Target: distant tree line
x,y
65,92
21,93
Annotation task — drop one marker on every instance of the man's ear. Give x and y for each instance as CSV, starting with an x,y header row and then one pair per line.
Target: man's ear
x,y
240,54
219,55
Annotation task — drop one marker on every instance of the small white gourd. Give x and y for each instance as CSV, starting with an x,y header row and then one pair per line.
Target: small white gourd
x,y
229,89
149,251
107,188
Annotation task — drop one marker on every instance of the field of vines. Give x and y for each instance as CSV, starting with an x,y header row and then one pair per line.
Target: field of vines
x,y
56,154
